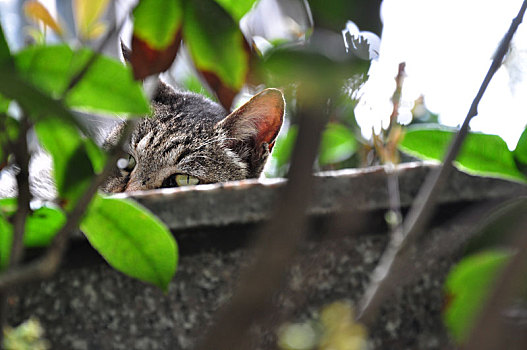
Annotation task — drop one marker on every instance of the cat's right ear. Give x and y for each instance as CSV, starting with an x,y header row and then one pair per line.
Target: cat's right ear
x,y
252,129
259,120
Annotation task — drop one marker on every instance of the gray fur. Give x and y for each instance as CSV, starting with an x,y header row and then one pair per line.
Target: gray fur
x,y
185,136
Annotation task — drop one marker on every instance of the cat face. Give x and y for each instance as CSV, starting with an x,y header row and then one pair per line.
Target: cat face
x,y
191,140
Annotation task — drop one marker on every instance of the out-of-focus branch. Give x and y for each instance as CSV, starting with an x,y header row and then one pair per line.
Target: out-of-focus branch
x,y
276,245
21,153
387,272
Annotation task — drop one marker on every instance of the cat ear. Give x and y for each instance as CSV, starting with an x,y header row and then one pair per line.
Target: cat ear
x,y
127,53
258,120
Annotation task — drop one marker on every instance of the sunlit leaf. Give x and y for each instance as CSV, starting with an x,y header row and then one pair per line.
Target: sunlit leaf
x,y
237,8
37,12
217,47
132,240
72,168
107,86
481,154
467,287
157,21
87,17
337,145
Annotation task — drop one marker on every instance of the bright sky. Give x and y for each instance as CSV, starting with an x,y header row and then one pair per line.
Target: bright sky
x,y
448,46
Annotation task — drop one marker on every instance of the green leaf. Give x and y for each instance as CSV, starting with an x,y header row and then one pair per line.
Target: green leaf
x,y
215,43
481,154
283,149
31,99
192,83
5,55
4,104
157,21
337,145
520,153
108,85
42,225
467,287
132,240
72,167
237,8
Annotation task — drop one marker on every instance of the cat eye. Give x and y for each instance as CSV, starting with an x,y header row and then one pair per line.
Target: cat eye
x,y
180,180
127,164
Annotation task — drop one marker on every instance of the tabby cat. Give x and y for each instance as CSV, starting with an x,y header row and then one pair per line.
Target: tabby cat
x,y
188,140
191,140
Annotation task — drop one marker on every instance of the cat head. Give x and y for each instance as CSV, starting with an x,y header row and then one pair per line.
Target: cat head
x,y
190,139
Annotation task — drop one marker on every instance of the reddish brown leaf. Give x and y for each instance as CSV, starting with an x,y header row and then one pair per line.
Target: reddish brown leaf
x,y
146,60
224,93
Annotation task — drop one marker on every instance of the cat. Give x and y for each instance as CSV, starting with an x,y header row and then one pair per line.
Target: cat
x,y
191,140
188,140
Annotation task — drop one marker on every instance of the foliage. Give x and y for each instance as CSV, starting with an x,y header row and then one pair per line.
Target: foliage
x,y
467,287
481,154
45,83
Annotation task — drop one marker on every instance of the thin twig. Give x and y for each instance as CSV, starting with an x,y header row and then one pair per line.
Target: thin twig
x,y
385,275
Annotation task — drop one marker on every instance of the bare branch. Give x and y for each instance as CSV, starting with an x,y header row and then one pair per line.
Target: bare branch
x,y
387,272
276,245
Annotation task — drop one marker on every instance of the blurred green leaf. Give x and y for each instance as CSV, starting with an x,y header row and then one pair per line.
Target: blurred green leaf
x,y
520,153
481,154
132,240
337,145
215,43
283,148
31,99
108,85
5,54
96,154
7,208
42,225
316,75
72,167
4,104
237,8
157,22
192,83
467,286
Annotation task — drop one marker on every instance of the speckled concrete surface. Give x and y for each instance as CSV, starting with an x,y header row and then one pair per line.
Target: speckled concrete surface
x,y
95,307
88,305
